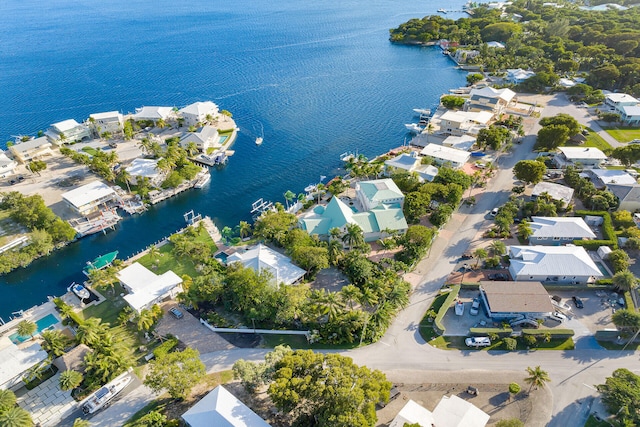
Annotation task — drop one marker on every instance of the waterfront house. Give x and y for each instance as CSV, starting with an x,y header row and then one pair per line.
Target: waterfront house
x,y
15,362
336,214
508,300
451,411
602,178
587,157
111,121
374,193
557,264
152,114
198,112
462,142
446,155
630,115
518,75
490,99
495,45
411,163
628,195
204,138
7,165
33,149
619,100
90,197
555,191
460,123
555,231
145,288
145,168
262,258
461,56
68,131
220,408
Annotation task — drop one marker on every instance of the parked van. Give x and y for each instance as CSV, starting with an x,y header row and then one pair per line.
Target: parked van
x,y
556,315
478,342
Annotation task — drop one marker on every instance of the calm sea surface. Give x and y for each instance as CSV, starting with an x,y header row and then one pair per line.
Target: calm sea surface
x,y
320,76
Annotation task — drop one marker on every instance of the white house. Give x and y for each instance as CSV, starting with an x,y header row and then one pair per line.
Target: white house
x,y
495,45
462,142
463,122
518,75
554,231
220,408
461,56
451,411
152,113
489,99
630,115
7,165
68,131
374,193
587,157
619,100
145,288
32,149
556,191
197,112
446,155
204,138
261,258
628,195
89,197
566,83
411,163
111,121
604,177
558,264
145,168
14,361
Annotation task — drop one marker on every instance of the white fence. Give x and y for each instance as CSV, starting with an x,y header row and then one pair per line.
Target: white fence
x,y
255,331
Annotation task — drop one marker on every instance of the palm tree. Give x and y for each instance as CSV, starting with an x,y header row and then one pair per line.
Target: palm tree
x,y
191,149
524,230
333,304
154,252
161,124
350,295
65,310
79,422
479,254
16,417
354,235
27,328
244,228
497,248
624,280
146,319
335,251
92,331
288,197
125,177
54,342
335,233
537,377
70,380
7,400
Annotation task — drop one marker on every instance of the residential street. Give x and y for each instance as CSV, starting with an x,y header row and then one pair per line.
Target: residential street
x,y
573,373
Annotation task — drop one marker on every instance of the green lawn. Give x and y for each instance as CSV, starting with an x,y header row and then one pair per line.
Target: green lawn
x,y
592,422
109,309
90,150
596,141
625,134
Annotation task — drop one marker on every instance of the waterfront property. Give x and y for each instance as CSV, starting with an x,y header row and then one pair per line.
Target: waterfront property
x,y
555,231
221,408
518,75
451,411
462,142
460,123
67,131
446,155
261,258
558,264
111,121
15,361
152,114
587,157
372,194
145,168
411,163
33,149
145,288
7,165
198,112
73,360
508,300
619,100
90,197
490,99
204,138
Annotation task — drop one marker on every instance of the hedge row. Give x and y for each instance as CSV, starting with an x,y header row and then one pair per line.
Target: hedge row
x,y
453,294
608,232
501,332
555,333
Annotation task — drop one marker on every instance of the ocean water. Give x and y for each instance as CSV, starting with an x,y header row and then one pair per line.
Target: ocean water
x,y
321,78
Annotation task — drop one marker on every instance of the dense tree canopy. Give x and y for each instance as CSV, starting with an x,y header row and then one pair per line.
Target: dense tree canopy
x,y
621,394
175,372
529,171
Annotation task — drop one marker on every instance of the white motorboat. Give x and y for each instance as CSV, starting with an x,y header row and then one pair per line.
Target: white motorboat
x,y
261,137
204,179
80,291
422,111
413,128
105,394
259,140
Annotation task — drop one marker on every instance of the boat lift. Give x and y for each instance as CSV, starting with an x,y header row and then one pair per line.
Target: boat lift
x,y
260,206
191,218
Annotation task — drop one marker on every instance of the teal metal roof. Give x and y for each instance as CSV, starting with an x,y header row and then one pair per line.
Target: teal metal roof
x,y
380,190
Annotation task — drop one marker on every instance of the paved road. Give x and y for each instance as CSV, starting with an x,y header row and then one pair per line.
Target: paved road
x,y
573,373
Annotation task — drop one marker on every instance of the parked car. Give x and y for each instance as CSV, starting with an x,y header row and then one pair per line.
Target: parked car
x,y
494,212
475,306
577,301
176,313
472,390
635,141
498,276
557,301
556,315
478,342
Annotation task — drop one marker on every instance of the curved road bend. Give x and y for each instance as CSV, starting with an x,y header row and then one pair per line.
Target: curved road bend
x,y
573,373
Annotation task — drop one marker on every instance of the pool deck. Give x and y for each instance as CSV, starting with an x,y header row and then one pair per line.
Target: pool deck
x,y
33,314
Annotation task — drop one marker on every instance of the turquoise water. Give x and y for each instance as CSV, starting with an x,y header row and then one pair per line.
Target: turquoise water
x,y
42,324
320,77
223,138
602,269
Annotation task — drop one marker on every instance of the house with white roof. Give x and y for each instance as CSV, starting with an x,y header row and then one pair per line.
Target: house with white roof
x,y
446,155
604,177
204,138
411,163
630,115
463,122
518,75
490,99
619,100
587,157
220,408
462,142
89,197
566,83
628,195
68,131
555,231
336,214
33,149
262,258
7,165
374,193
495,45
152,114
555,191
451,411
197,112
111,121
15,362
558,264
461,56
145,168
512,300
145,288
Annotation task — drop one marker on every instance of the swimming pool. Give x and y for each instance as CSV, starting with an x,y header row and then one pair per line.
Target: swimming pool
x,y
41,324
602,269
223,138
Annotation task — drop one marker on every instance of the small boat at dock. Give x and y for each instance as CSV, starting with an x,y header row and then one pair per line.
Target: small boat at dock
x,y
442,11
101,262
204,179
80,291
413,127
422,111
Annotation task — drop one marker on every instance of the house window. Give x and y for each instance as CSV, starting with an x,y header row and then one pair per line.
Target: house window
x,y
556,238
540,238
